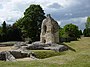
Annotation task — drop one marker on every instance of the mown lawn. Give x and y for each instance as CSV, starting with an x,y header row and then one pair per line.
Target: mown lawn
x,y
80,58
42,54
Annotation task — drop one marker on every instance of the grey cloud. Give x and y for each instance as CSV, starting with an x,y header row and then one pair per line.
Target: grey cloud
x,y
5,0
77,21
11,20
21,7
79,10
55,6
1,6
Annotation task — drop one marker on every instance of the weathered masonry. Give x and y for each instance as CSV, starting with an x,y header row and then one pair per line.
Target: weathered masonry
x,y
49,30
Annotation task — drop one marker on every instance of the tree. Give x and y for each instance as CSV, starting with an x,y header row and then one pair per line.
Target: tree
x,y
88,23
30,24
72,31
86,31
14,34
18,23
4,28
4,31
80,32
0,33
9,33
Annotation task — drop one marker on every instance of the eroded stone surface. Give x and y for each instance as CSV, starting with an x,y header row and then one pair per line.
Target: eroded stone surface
x,y
49,30
6,56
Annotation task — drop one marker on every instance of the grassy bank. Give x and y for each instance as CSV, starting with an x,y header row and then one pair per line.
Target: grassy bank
x,y
80,58
41,54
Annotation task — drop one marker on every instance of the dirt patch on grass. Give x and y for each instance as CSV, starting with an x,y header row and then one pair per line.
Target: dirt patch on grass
x,y
26,59
5,48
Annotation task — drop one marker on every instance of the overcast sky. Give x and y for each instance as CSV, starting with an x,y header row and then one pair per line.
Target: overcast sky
x,y
63,11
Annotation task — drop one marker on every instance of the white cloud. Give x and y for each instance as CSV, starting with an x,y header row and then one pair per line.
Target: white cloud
x,y
80,22
71,10
15,8
1,20
8,10
59,22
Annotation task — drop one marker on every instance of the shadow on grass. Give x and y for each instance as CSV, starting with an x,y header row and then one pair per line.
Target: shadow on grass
x,y
70,48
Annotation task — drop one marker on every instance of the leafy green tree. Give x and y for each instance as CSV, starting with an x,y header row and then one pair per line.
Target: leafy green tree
x,y
71,31
18,23
9,33
0,33
30,24
0,29
86,31
14,34
88,23
4,28
4,31
80,32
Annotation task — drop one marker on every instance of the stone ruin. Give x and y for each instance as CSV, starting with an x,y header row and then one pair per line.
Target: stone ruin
x,y
49,31
49,39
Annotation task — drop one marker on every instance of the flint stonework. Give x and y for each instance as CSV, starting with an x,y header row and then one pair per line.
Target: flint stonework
x,y
49,30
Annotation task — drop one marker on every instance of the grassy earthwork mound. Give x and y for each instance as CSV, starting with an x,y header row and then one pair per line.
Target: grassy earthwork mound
x,y
80,58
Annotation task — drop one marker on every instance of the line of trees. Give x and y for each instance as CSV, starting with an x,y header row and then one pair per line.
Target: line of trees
x,y
29,26
86,31
69,32
9,33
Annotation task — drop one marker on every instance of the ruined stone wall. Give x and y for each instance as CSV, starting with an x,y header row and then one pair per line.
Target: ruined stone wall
x,y
49,30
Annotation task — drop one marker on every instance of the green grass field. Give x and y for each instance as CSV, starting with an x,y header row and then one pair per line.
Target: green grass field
x,y
80,58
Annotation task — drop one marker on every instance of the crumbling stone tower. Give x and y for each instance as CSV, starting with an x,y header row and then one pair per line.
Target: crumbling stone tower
x,y
49,30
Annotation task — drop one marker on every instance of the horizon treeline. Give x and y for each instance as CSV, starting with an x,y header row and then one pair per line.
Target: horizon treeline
x,y
29,26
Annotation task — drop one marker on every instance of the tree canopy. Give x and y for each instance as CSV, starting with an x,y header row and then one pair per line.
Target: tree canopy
x,y
70,31
9,33
88,23
30,24
86,31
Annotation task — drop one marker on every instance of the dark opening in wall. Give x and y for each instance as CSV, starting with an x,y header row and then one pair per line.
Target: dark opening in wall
x,y
45,28
44,41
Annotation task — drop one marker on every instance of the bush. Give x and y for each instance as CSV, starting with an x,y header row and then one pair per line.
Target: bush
x,y
41,54
86,32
